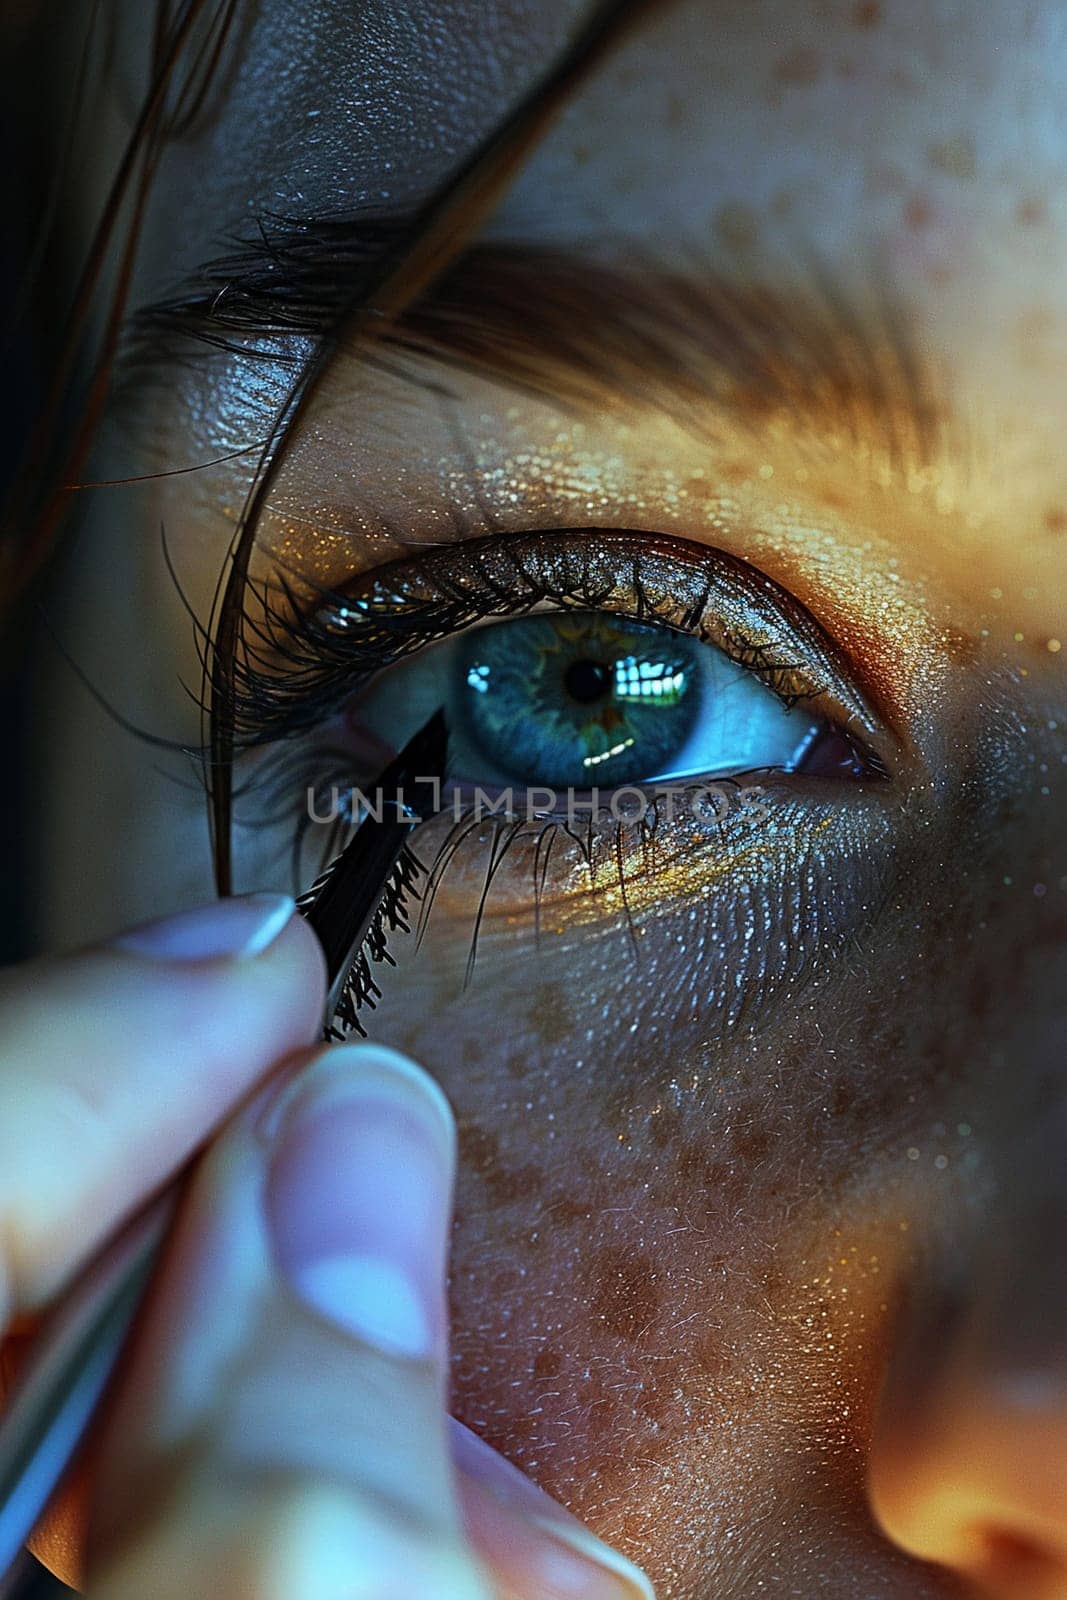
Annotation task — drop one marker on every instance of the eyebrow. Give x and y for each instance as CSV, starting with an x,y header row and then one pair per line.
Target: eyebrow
x,y
696,343
808,358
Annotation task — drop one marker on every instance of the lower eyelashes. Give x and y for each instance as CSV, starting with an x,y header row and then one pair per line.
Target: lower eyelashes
x,y
709,920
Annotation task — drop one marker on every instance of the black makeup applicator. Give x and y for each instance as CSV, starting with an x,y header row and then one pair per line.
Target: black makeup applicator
x,y
55,1397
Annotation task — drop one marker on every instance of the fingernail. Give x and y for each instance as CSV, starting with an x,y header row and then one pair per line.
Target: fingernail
x,y
533,1541
359,1196
240,927
587,1569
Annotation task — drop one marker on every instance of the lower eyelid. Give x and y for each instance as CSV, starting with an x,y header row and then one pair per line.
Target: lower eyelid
x,y
741,885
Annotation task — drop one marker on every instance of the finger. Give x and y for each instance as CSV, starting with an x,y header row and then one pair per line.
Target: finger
x,y
282,1425
533,1547
116,1063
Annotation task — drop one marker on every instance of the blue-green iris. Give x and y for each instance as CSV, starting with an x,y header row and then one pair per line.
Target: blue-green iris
x,y
579,700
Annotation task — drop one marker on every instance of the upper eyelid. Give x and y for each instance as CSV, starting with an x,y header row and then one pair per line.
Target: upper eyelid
x,y
721,572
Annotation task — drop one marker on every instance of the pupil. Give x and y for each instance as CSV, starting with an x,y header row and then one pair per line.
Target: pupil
x,y
587,680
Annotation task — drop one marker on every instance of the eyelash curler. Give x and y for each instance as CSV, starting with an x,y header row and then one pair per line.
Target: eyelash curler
x,y
56,1395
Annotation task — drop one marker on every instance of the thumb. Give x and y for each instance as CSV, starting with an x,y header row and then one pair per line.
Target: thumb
x,y
117,1062
282,1427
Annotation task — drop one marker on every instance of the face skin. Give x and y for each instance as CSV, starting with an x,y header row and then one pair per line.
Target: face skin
x,y
790,1136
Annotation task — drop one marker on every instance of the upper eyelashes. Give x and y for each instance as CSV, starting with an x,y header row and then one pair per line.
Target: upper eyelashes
x,y
299,665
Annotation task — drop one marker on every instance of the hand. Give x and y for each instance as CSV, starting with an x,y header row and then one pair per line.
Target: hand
x,y
280,1431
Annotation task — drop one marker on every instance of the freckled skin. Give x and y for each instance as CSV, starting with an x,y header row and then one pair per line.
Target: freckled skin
x,y
686,1249
726,1262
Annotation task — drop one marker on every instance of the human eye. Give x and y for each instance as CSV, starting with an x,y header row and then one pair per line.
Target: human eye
x,y
624,658
606,676
569,661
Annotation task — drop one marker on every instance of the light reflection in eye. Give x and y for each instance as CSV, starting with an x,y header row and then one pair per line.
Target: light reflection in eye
x,y
607,755
647,680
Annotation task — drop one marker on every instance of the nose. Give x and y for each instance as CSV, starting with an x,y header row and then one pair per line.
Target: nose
x,y
968,1464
